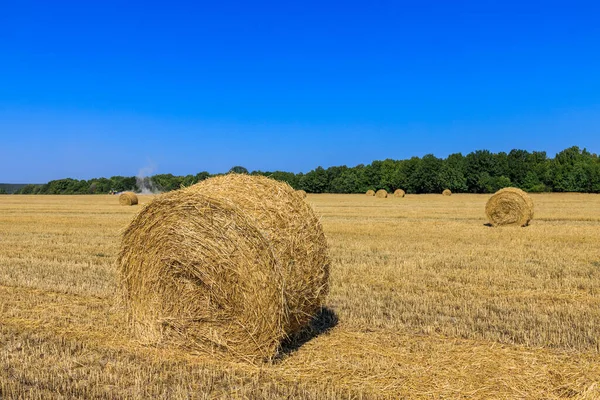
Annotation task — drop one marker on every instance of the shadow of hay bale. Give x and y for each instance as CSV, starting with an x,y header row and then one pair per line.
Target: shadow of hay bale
x,y
322,323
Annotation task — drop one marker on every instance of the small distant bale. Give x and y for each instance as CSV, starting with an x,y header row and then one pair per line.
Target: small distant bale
x,y
509,207
302,193
381,193
447,192
370,192
399,193
128,199
232,265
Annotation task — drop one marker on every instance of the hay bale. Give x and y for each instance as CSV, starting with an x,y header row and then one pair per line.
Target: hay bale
x,y
302,193
128,199
509,206
399,193
447,192
236,263
370,192
381,193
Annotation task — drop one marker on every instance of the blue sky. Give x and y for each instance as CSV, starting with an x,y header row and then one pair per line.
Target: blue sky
x,y
90,89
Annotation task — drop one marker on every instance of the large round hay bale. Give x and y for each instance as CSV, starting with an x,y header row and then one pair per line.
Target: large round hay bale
x,y
235,263
399,193
447,192
381,193
370,192
302,193
509,206
128,199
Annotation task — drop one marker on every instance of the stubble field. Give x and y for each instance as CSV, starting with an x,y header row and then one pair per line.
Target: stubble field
x,y
429,303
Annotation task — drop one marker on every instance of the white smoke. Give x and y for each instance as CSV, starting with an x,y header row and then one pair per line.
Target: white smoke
x,y
143,181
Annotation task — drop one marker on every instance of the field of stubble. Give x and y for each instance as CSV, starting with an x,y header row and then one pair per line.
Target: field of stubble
x,y
430,303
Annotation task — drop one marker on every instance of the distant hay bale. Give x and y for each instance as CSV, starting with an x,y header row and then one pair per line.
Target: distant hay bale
x,y
128,199
447,192
302,193
236,263
509,206
399,193
370,192
381,193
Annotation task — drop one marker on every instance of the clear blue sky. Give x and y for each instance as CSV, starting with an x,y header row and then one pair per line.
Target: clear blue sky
x,y
90,89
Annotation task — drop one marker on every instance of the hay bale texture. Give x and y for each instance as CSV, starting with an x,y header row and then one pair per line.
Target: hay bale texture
x,y
381,193
509,206
399,193
370,192
302,193
234,264
447,192
128,199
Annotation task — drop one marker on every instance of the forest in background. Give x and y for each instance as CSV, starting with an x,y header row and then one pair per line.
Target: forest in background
x,y
481,171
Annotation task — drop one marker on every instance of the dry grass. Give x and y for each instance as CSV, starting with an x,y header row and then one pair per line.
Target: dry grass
x,y
435,305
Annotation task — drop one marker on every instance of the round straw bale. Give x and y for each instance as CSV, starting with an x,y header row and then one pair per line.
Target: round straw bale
x,y
293,230
447,192
128,199
302,193
399,193
381,193
235,263
370,192
509,206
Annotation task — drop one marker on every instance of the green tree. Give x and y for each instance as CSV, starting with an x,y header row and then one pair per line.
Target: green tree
x,y
532,183
519,165
347,182
238,170
166,182
315,181
452,178
408,168
372,175
570,170
27,189
200,176
391,176
480,167
426,177
288,177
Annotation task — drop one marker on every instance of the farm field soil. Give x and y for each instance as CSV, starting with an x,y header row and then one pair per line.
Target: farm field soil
x,y
429,301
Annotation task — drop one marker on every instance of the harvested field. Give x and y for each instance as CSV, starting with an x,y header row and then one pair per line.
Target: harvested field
x,y
429,302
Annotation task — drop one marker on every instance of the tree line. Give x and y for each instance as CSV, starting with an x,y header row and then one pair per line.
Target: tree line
x,y
481,171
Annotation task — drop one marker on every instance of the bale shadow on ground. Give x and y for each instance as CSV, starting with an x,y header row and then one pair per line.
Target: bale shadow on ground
x,y
322,323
